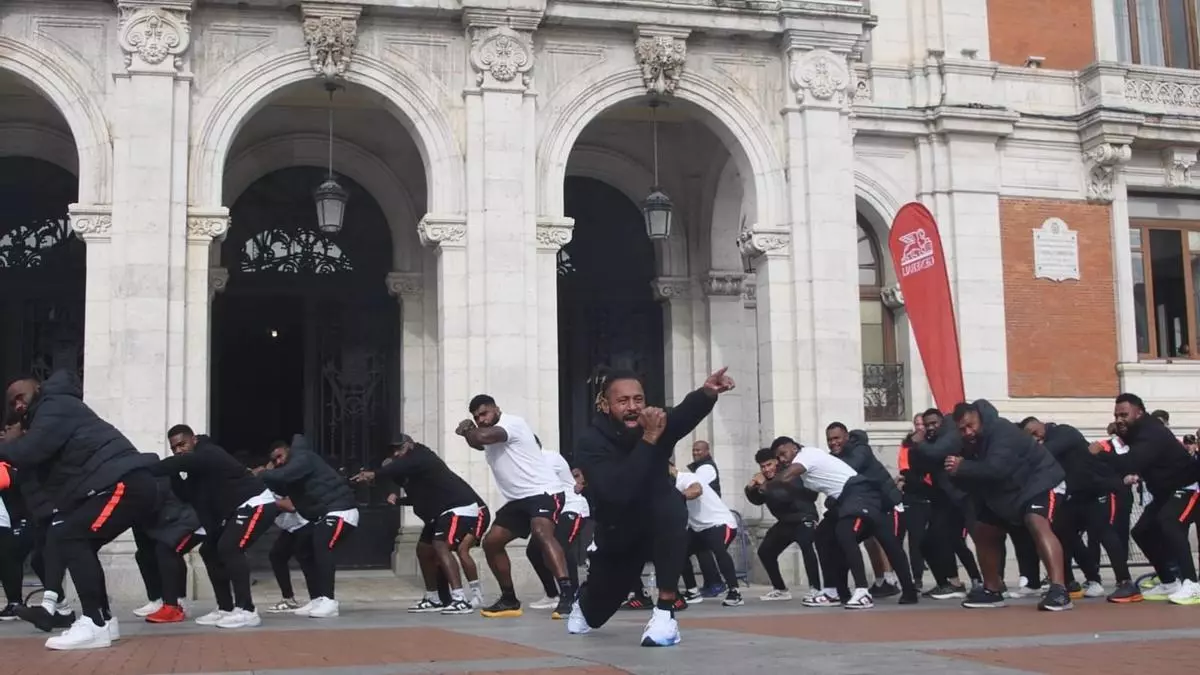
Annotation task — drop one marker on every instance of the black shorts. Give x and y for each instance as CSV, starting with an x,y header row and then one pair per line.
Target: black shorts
x,y
450,528
1046,505
517,516
484,522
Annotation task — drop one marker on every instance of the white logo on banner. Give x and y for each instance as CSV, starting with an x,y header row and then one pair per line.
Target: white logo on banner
x,y
918,253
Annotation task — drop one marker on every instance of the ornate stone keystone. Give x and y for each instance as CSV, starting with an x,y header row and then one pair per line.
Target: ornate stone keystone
x,y
819,75
661,54
331,33
153,35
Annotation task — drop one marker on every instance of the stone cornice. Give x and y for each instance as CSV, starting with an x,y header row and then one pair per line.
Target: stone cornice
x,y
756,19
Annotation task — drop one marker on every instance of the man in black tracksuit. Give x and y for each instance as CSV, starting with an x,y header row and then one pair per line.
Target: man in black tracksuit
x,y
235,508
162,543
450,510
325,500
794,508
96,480
1092,487
1010,478
1167,471
639,514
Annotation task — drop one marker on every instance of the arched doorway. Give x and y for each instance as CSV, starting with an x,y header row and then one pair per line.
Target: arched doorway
x,y
305,337
883,374
607,314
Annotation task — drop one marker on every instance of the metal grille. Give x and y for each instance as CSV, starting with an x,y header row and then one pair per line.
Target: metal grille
x,y
883,391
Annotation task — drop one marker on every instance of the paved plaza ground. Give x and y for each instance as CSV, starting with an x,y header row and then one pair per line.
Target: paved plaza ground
x,y
1096,639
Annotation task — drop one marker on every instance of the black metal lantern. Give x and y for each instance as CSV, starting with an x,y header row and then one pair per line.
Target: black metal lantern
x,y
657,209
330,196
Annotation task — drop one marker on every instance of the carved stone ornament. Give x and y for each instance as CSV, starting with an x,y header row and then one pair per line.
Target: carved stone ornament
x,y
1103,162
821,75
218,280
661,59
724,283
892,296
1177,164
405,284
91,224
502,52
1180,93
750,292
152,35
671,288
552,236
207,228
435,232
752,243
331,41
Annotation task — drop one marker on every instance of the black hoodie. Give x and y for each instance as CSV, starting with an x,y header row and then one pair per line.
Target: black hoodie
x,y
313,486
625,474
174,520
1087,475
1156,455
858,454
215,485
788,502
1006,468
72,453
432,488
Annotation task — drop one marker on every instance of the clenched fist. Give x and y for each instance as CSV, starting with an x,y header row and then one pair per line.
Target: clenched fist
x,y
464,426
652,421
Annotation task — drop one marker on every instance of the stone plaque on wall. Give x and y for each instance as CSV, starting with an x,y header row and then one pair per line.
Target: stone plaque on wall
x,y
1055,251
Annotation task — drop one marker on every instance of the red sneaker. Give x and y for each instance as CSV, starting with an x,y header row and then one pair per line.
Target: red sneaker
x,y
167,614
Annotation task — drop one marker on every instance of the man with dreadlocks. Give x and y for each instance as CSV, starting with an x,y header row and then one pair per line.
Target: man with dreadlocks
x,y
625,454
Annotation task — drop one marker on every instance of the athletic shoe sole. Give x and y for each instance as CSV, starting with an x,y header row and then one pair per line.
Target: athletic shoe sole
x,y
984,605
504,614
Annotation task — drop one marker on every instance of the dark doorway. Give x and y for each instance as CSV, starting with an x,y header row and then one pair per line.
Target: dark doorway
x,y
607,314
42,270
304,340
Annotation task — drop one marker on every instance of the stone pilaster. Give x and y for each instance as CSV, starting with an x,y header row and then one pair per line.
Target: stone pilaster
x,y
204,226
552,235
772,298
415,408
93,224
1104,163
731,436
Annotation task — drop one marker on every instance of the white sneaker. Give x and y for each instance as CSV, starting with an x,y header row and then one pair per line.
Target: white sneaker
x,y
662,630
1188,594
1094,589
819,598
1161,591
576,624
148,609
306,608
286,605
775,595
860,599
324,608
114,629
476,600
545,603
240,618
212,618
83,634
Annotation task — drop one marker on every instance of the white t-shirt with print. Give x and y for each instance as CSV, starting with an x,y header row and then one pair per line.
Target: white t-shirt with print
x,y
573,503
517,464
823,472
707,510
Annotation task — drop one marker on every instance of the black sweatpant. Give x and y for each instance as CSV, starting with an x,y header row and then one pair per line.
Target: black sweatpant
x,y
290,545
776,540
715,540
1029,565
622,549
163,569
48,567
1068,523
327,533
16,543
922,543
1162,534
566,531
76,535
224,555
856,521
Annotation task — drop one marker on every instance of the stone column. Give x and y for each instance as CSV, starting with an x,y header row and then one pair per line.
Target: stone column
x,y
552,235
727,346
203,227
824,237
772,298
1104,163
675,294
93,224
409,289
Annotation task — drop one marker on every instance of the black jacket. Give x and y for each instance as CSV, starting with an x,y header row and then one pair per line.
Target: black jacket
x,y
174,520
1007,468
431,487
625,474
930,456
787,502
918,480
211,480
1156,455
313,486
1087,475
858,454
716,482
72,452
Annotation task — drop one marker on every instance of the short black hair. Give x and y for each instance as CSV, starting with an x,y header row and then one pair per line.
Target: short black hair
x,y
1027,421
279,444
1162,415
763,455
608,377
479,401
1133,400
933,412
180,430
961,410
782,441
836,425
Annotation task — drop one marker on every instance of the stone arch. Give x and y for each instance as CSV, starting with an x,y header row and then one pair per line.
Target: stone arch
x,y
406,93
728,210
49,72
22,139
365,168
735,122
878,208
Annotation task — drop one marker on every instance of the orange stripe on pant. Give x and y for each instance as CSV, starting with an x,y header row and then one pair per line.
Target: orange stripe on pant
x,y
1112,508
479,523
337,532
250,527
183,544
575,529
106,512
728,535
1187,510
857,524
449,535
896,523
1050,507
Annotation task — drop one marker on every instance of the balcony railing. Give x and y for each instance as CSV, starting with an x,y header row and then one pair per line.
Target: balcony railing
x,y
883,392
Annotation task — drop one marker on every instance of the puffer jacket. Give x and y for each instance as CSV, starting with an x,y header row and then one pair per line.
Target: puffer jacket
x,y
1007,468
211,480
858,454
930,456
174,520
72,453
313,486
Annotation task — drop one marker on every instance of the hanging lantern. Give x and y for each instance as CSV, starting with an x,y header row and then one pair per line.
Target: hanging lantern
x,y
331,205
658,211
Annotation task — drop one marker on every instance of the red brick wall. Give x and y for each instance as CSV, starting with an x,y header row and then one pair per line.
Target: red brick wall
x,y
1062,337
1060,30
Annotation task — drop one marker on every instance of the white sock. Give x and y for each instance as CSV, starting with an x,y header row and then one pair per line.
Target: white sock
x,y
457,594
476,587
50,602
830,592
432,596
891,578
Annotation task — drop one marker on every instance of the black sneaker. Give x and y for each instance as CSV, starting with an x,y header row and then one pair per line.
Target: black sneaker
x,y
458,607
910,597
1057,599
982,598
1074,590
946,592
9,613
884,589
563,610
426,606
1126,592
504,608
63,619
39,617
733,598
639,602
693,596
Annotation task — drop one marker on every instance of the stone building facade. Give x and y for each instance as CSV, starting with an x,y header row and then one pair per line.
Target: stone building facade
x,y
494,149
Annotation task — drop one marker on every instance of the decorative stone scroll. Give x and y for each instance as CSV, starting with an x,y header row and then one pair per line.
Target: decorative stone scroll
x,y
1055,251
671,288
1103,161
892,296
405,284
820,75
661,56
153,36
1177,165
91,222
503,53
218,281
439,232
331,34
753,242
553,234
724,283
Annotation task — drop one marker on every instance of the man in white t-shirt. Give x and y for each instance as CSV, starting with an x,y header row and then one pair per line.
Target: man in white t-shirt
x,y
534,499
568,528
711,528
